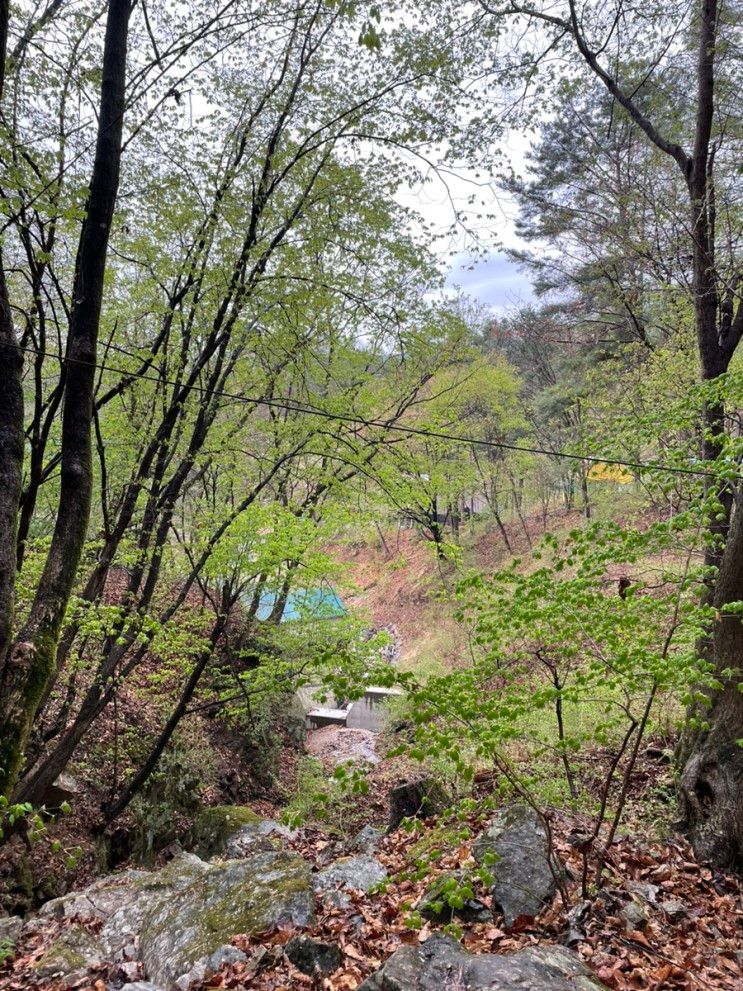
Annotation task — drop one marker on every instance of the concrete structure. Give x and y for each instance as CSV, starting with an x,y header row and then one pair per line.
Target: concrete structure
x,y
326,717
369,712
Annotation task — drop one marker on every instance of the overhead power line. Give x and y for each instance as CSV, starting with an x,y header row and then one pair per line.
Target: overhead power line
x,y
307,410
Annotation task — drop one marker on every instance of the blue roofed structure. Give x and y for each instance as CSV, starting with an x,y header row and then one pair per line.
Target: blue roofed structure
x,y
304,603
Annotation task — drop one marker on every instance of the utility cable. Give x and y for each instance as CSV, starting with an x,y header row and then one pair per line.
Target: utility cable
x,y
307,410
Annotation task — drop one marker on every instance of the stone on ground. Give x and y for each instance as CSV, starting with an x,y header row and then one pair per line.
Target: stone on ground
x,y
441,963
524,877
367,840
10,929
73,951
181,917
416,799
311,956
361,873
217,825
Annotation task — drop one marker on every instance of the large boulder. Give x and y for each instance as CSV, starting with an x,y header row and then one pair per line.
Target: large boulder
x,y
418,798
215,826
179,917
122,901
442,963
524,870
242,896
360,873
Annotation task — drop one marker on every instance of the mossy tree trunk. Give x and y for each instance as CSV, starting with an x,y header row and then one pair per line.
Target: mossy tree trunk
x,y
29,662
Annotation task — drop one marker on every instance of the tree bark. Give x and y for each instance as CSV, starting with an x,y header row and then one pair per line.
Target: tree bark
x,y
30,661
11,429
711,783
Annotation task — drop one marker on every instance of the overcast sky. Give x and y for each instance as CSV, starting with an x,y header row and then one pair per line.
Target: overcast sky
x,y
494,280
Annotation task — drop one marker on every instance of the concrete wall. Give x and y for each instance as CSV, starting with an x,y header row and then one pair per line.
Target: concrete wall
x,y
370,712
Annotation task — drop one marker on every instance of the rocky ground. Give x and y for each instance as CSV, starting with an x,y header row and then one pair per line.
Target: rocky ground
x,y
335,745
254,905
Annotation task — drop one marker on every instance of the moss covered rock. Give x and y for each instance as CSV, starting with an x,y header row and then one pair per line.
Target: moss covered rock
x,y
215,826
244,896
73,951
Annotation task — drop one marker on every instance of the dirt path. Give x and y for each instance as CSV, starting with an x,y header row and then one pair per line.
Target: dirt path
x,y
337,744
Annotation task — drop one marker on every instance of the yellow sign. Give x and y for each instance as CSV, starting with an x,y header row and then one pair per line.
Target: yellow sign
x,y
603,472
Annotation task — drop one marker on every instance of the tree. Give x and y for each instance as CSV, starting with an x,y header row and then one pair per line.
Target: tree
x,y
429,477
700,144
220,239
27,663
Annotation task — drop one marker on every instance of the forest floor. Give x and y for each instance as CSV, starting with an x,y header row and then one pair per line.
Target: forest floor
x,y
687,937
692,937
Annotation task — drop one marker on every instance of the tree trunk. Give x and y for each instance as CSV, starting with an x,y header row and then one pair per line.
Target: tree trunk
x,y
585,493
11,429
116,807
711,783
30,661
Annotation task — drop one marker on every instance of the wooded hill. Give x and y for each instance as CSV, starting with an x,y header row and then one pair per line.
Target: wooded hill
x,y
231,364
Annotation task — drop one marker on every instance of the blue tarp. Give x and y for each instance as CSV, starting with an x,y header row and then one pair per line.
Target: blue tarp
x,y
304,603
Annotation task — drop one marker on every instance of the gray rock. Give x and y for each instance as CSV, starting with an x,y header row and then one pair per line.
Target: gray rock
x,y
361,873
225,955
241,896
524,879
98,901
10,929
70,954
441,963
258,836
367,840
269,827
311,956
216,825
120,902
64,789
178,920
436,904
416,799
633,915
140,986
196,975
131,970
245,843
643,890
336,899
207,966
674,908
